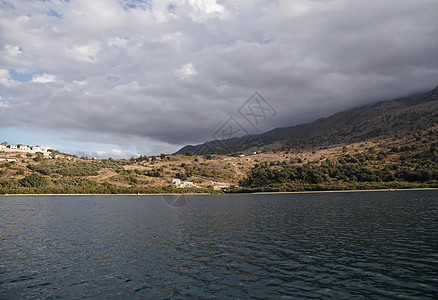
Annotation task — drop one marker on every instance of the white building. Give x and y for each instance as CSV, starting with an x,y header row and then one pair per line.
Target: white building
x,y
9,159
2,147
37,149
13,147
175,181
178,183
220,185
24,148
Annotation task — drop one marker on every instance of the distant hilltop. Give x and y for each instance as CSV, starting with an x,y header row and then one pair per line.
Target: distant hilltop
x,y
4,147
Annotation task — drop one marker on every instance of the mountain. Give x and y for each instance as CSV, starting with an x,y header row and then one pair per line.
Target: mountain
x,y
393,118
224,145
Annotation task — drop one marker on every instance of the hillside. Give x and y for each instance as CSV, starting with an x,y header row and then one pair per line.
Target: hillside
x,y
390,145
391,163
384,119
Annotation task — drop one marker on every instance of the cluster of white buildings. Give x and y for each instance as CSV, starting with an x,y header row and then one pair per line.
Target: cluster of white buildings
x,y
24,148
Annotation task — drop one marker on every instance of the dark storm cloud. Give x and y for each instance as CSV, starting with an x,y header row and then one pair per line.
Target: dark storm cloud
x,y
135,76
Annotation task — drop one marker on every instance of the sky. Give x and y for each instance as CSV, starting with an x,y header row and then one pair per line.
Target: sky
x,y
122,78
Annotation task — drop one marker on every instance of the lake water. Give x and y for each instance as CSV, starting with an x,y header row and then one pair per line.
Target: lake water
x,y
369,245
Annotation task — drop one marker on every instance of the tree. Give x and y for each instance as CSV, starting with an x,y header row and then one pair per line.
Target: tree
x,y
189,153
181,176
38,156
34,180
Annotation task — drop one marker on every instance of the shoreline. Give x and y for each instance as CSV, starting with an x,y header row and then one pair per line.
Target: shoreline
x,y
205,194
157,194
348,191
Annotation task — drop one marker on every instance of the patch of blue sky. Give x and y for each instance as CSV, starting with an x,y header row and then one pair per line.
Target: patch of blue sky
x,y
54,13
171,8
6,4
144,4
17,135
22,76
4,96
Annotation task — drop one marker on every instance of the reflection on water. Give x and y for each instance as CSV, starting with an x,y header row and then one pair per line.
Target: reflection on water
x,y
338,245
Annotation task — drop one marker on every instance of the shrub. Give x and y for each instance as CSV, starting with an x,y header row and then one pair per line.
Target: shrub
x,y
34,180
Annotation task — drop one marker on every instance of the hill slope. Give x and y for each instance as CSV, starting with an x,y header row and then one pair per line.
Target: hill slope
x,y
383,119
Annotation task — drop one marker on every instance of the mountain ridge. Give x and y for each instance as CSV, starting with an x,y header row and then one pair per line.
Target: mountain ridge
x,y
382,118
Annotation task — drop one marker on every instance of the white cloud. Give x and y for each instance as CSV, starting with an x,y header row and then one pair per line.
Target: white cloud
x,y
201,10
5,77
186,71
117,42
3,103
12,51
44,78
113,153
85,53
80,82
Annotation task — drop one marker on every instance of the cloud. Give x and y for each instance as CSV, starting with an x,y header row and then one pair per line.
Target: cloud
x,y
3,103
85,53
44,78
12,51
149,75
201,10
186,71
113,153
5,77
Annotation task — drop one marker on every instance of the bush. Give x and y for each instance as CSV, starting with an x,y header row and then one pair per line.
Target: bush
x,y
34,180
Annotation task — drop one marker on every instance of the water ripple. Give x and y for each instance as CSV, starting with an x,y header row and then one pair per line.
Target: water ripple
x,y
340,245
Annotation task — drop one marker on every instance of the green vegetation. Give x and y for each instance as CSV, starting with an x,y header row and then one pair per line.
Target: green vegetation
x,y
356,171
33,180
77,168
37,184
80,168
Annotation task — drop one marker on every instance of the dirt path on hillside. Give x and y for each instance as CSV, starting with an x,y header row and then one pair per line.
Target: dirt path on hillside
x,y
105,174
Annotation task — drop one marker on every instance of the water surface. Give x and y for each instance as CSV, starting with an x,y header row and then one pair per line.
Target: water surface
x,y
368,245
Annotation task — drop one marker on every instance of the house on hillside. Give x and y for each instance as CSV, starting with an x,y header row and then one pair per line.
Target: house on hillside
x,y
187,184
178,183
24,148
37,149
175,181
2,147
8,159
13,147
220,185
